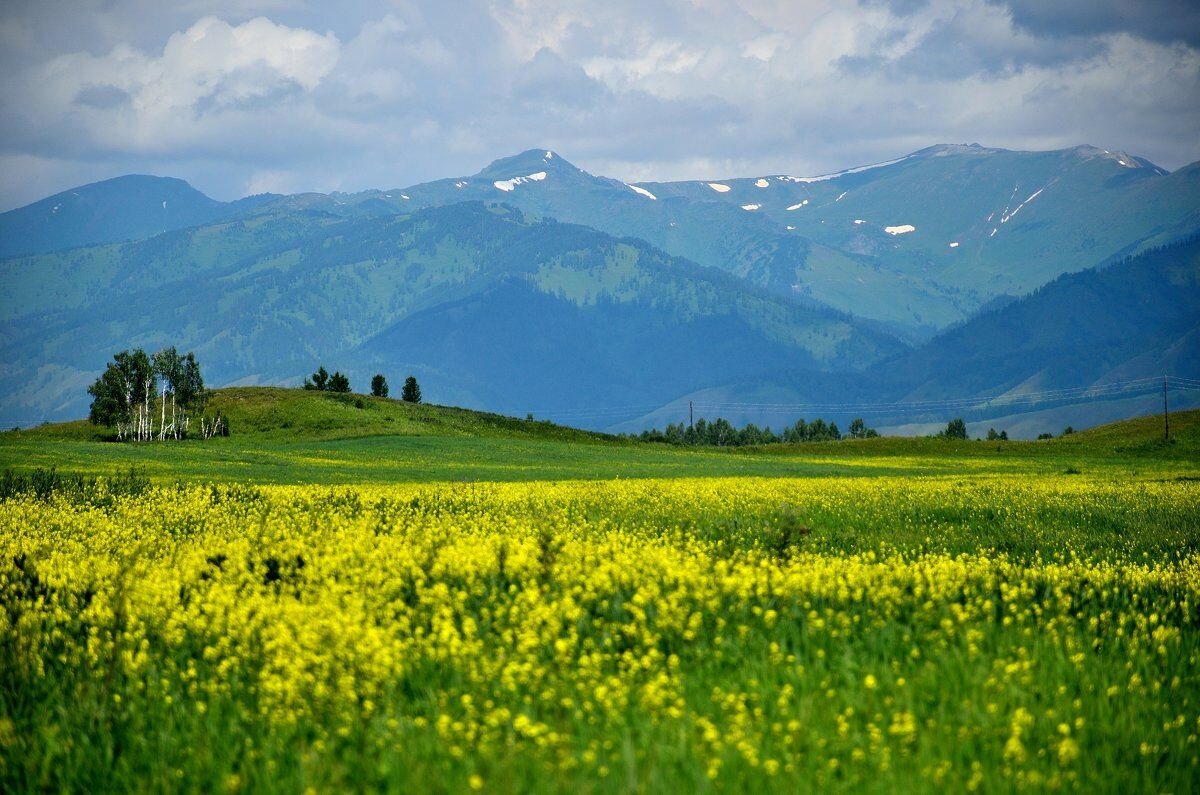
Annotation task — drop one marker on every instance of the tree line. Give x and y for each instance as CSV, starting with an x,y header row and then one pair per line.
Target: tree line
x,y
721,433
146,397
322,381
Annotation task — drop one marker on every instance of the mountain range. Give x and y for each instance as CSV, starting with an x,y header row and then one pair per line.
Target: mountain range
x,y
957,271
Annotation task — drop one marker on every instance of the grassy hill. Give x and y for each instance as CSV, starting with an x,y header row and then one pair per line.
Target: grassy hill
x,y
280,414
293,436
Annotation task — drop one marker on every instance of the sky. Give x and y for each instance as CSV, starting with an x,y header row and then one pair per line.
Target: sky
x,y
244,96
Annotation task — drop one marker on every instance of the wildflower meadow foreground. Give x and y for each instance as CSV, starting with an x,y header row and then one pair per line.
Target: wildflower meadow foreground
x,y
875,634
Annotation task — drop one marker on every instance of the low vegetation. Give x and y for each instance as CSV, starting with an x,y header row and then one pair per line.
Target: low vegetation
x,y
891,633
893,614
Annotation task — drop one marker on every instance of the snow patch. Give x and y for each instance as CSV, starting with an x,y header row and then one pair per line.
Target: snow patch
x,y
1004,218
993,234
903,229
164,205
509,184
549,156
798,206
642,191
751,207
761,183
954,245
402,196
460,184
718,187
859,221
839,198
790,228
387,195
54,209
858,170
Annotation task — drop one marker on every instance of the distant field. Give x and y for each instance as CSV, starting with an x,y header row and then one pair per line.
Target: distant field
x,y
890,615
290,436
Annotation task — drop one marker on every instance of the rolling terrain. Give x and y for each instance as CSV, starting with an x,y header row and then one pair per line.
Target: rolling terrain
x,y
1028,365
263,299
535,286
290,436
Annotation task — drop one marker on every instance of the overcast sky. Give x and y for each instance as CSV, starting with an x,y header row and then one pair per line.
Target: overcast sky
x,y
241,97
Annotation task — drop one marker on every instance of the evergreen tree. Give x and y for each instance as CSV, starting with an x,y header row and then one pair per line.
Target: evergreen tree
x,y
320,380
379,386
411,393
955,429
338,383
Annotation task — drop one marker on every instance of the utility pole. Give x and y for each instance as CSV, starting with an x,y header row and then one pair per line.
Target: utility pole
x,y
1166,416
691,416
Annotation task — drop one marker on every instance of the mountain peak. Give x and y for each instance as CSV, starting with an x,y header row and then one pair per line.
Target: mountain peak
x,y
531,161
1124,159
945,150
128,207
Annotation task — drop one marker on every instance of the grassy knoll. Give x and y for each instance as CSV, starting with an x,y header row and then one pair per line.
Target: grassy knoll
x,y
292,436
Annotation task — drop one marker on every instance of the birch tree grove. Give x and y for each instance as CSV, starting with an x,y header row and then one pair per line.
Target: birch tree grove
x,y
153,397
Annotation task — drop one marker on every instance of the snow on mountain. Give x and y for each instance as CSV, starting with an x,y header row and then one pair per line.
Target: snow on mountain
x,y
509,184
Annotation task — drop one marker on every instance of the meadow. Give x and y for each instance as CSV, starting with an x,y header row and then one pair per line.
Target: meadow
x,y
886,615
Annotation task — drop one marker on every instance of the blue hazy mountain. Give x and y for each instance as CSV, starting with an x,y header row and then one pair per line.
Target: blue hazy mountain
x,y
1137,318
456,294
770,288
132,207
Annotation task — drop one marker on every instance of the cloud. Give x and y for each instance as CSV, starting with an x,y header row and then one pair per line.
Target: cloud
x,y
208,76
244,97
1164,21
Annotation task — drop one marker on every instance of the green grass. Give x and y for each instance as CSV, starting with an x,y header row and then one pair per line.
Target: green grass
x,y
293,436
878,615
867,634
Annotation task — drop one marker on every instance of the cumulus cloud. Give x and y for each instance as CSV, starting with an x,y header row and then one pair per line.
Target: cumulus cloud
x,y
245,97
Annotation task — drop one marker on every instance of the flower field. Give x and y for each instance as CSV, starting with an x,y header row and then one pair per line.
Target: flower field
x,y
981,633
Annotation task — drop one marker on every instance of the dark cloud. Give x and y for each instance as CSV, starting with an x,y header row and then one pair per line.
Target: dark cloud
x,y
1155,20
954,49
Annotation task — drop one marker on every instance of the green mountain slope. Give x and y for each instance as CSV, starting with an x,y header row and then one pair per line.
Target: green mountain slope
x,y
984,221
1139,317
916,244
265,299
131,207
1136,319
711,233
